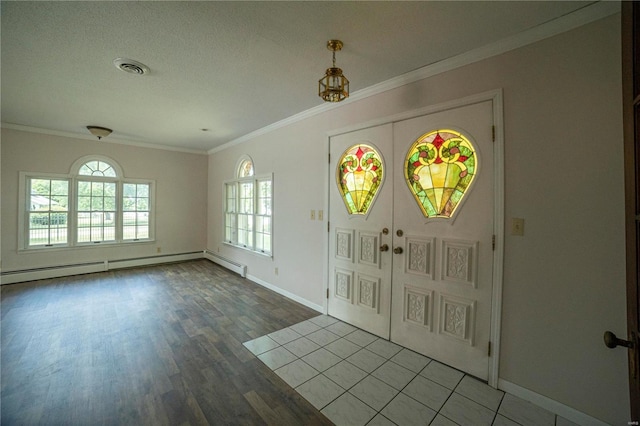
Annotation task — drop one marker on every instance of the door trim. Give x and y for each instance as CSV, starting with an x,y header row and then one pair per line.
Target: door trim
x,y
496,97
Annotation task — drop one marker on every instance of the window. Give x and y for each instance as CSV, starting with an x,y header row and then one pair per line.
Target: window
x,y
47,211
94,204
359,176
96,220
248,209
439,169
135,211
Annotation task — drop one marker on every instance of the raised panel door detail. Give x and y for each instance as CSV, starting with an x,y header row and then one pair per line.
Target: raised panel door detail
x,y
418,306
457,318
343,284
459,262
420,256
368,249
344,244
368,292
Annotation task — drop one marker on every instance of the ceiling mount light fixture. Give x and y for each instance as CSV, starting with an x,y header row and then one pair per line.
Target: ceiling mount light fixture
x,y
99,132
334,86
131,66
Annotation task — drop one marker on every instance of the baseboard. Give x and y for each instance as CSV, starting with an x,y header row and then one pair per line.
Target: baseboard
x,y
286,294
153,260
12,277
549,404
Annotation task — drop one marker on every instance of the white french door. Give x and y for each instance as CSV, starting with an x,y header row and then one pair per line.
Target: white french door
x,y
442,280
422,282
359,267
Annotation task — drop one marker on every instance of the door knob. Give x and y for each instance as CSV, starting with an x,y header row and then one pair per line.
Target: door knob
x,y
397,250
384,247
611,340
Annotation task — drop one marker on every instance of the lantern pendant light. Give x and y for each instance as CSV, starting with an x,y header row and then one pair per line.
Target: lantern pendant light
x,y
333,86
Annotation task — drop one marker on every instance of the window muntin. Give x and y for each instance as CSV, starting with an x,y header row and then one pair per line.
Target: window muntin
x,y
135,211
96,211
245,214
245,169
47,212
94,204
97,168
248,221
439,169
263,216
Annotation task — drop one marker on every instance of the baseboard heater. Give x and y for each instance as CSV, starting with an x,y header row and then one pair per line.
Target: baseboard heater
x,y
22,275
232,265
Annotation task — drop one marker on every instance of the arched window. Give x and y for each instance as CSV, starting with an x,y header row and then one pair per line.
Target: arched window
x,y
97,168
245,167
439,169
248,209
94,204
96,207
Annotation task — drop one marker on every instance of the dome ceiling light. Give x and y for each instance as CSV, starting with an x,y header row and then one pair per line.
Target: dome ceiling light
x,y
99,132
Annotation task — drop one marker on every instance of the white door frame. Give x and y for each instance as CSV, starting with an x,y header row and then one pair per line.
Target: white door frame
x,y
496,97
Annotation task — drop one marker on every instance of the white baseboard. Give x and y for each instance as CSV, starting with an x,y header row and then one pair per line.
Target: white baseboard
x,y
13,277
549,404
287,294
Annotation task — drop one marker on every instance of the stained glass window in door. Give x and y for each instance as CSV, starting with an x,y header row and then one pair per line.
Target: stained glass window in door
x,y
359,174
439,169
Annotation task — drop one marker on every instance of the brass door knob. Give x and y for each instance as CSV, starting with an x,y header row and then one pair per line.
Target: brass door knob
x,y
397,250
384,247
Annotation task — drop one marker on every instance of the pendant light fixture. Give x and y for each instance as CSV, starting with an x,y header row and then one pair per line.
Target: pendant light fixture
x,y
334,86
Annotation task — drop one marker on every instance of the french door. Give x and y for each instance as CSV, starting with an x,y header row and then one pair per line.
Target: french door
x,y
443,266
359,261
413,262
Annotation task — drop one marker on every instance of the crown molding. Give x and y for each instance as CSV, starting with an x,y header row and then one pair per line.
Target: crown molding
x,y
591,13
92,138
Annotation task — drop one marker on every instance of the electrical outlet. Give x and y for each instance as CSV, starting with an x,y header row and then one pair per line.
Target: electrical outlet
x,y
313,215
276,271
517,226
159,250
320,214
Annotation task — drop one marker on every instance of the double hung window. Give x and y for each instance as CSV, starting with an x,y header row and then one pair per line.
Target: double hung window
x,y
248,210
95,204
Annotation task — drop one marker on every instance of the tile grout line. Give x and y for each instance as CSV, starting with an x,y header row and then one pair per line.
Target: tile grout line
x,y
370,374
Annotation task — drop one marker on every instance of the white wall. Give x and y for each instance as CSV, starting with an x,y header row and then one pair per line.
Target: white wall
x,y
181,192
564,279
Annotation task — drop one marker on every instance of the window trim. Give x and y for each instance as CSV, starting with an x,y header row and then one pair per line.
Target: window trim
x,y
72,230
255,179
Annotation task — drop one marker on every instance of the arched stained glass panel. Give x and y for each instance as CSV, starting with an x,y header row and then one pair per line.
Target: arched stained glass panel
x,y
359,175
439,169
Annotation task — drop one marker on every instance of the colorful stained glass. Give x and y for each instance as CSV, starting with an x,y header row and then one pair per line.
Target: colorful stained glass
x,y
439,169
359,175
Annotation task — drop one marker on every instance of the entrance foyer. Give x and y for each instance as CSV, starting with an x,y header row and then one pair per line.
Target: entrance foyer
x,y
414,262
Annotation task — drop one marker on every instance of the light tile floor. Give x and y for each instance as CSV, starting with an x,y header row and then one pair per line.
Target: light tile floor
x,y
355,378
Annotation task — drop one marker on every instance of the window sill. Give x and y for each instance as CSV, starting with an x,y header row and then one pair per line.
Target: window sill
x,y
82,246
257,253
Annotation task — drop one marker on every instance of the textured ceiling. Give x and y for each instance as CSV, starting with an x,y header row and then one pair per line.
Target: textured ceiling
x,y
229,67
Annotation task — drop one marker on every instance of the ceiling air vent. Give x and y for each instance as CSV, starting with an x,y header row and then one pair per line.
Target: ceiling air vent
x,y
131,66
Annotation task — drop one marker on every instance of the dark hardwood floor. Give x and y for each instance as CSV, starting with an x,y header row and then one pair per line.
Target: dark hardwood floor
x,y
159,345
